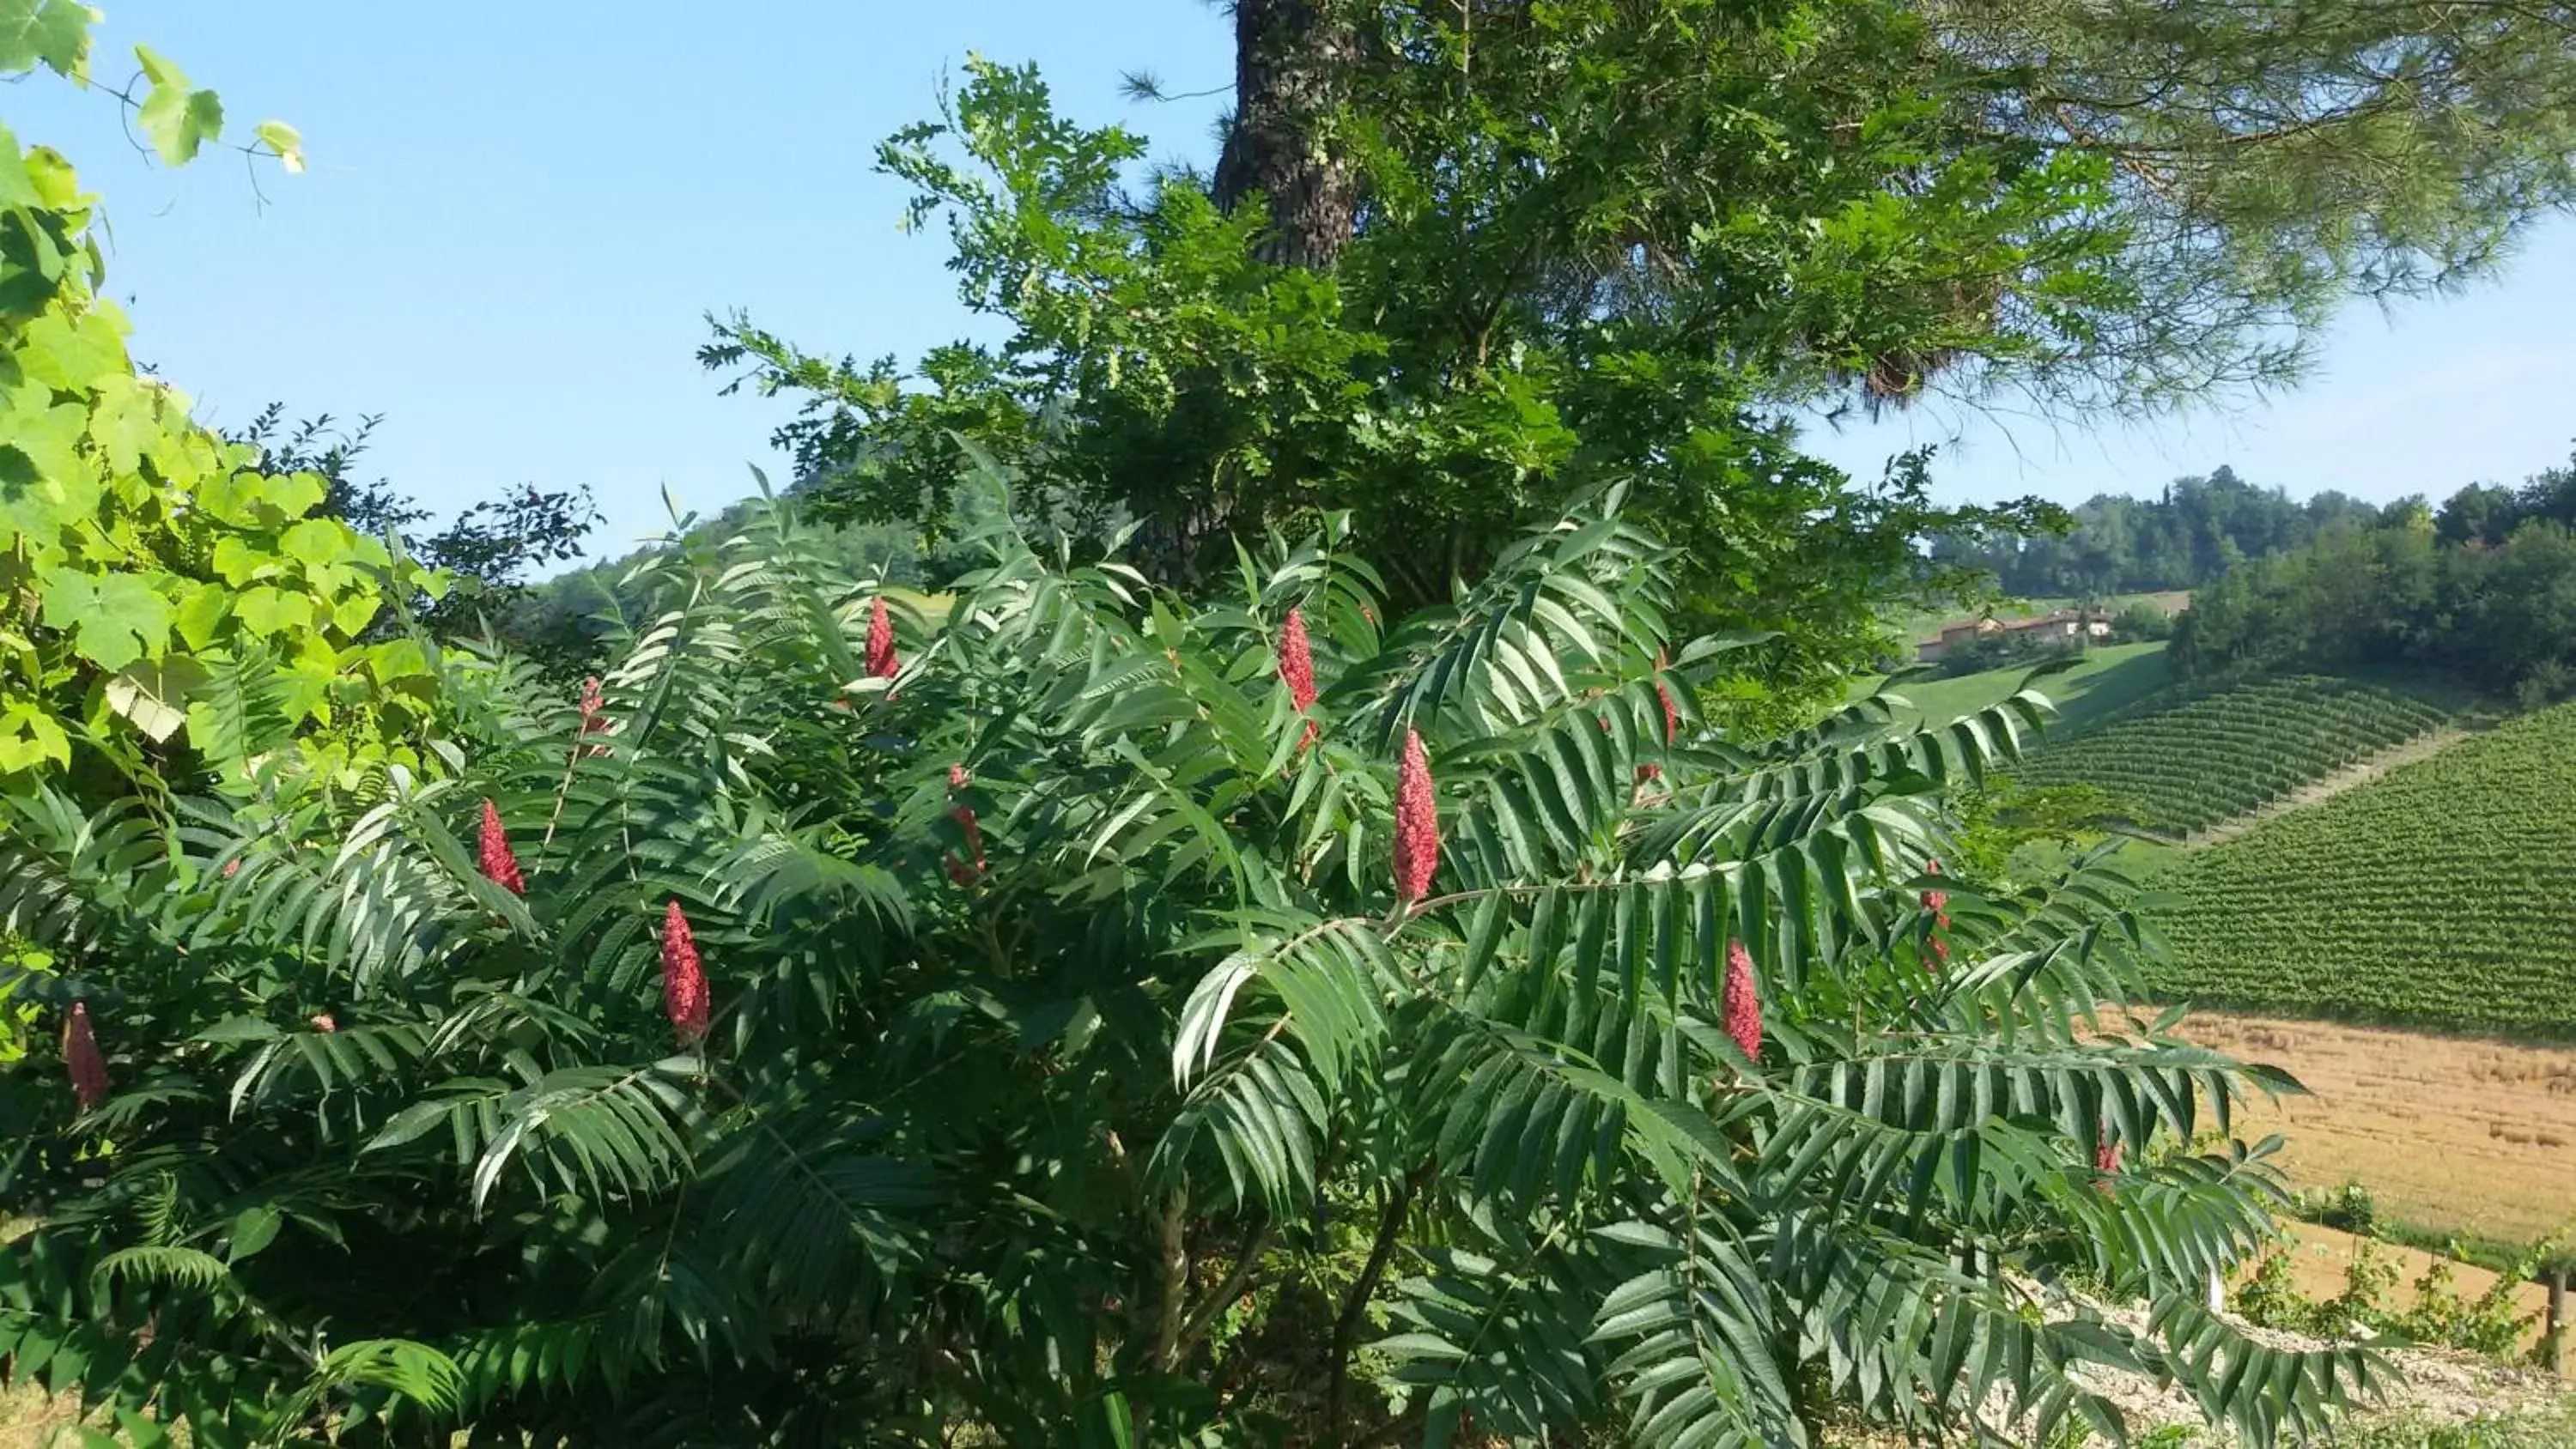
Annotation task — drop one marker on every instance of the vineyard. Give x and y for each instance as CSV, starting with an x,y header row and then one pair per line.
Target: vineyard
x,y
2438,895
2216,756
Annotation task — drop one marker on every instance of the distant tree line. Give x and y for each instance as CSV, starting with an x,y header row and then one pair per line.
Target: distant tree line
x,y
2484,590
2196,531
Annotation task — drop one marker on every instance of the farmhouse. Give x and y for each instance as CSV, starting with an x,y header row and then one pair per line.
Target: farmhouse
x,y
2064,625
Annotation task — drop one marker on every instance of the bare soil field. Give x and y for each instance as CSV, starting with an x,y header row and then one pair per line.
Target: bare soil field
x,y
2455,1133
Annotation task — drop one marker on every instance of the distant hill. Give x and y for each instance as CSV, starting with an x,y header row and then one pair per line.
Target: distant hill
x,y
2442,894
2183,758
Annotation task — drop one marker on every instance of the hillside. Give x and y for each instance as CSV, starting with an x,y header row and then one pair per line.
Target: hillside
x,y
2439,894
2185,759
2109,679
2193,761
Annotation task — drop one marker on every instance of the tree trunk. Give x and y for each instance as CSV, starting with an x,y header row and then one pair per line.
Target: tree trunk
x,y
1292,60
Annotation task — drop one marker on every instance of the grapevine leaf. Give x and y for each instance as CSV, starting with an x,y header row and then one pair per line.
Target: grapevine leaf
x,y
113,619
178,117
53,33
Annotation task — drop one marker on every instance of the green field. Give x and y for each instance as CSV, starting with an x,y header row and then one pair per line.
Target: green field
x,y
2109,678
2440,894
2208,758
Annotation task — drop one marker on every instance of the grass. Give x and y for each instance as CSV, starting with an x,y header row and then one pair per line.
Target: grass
x,y
2537,1426
2496,1255
2108,679
2435,895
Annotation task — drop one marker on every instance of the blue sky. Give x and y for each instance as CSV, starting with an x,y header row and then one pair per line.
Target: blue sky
x,y
516,219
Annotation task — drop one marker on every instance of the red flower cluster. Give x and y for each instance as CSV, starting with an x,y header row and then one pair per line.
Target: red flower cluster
x,y
499,866
1297,668
322,1022
1417,823
81,1057
2106,1156
881,660
1938,903
1739,1006
594,717
964,815
684,977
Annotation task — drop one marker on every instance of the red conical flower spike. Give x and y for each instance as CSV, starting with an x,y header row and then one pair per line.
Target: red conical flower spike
x,y
684,978
81,1057
1297,660
964,815
1297,669
1935,901
499,866
1739,1006
881,660
2106,1156
1417,823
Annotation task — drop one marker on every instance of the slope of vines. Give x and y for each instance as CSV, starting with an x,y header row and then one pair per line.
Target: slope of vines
x,y
2213,757
2439,894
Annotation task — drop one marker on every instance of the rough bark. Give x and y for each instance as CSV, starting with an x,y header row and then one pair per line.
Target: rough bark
x,y
1292,61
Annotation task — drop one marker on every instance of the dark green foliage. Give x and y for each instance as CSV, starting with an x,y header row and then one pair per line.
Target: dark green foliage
x,y
1535,248
2141,623
2501,616
1135,1134
1493,337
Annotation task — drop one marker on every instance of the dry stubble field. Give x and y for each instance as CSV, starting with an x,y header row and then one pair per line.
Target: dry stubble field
x,y
2461,1134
